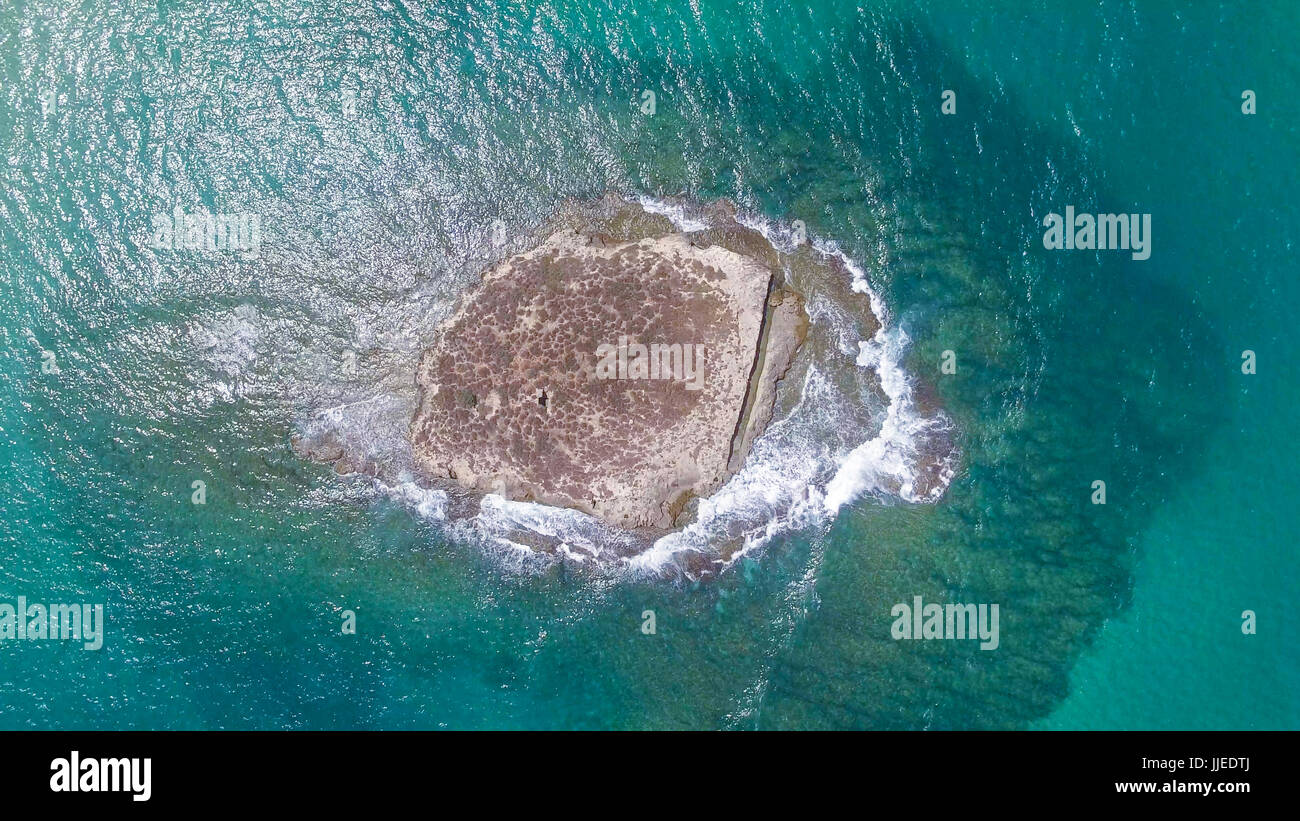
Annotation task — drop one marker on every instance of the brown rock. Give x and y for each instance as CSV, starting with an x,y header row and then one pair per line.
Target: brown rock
x,y
523,394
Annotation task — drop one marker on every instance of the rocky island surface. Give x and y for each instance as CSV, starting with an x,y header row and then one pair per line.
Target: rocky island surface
x,y
620,367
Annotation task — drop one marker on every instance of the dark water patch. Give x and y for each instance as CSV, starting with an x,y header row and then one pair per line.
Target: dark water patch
x,y
1071,368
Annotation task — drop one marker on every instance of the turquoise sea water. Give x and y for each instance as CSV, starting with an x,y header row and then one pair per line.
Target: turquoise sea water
x,y
1073,366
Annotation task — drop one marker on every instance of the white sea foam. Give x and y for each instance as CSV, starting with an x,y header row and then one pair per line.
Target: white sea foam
x,y
674,212
431,503
572,532
227,343
888,461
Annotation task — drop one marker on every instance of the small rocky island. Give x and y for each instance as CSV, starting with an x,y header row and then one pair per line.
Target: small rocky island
x,y
619,367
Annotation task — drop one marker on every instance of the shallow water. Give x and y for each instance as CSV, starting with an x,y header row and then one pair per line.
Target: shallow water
x,y
378,145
